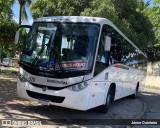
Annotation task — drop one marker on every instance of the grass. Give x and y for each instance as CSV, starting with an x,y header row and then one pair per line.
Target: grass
x,y
8,73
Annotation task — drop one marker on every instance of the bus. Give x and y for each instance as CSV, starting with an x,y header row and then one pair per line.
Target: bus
x,y
78,62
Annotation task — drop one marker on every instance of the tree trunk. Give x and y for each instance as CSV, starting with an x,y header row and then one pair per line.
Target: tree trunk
x,y
20,14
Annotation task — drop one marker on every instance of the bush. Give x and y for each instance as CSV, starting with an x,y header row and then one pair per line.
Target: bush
x,y
4,73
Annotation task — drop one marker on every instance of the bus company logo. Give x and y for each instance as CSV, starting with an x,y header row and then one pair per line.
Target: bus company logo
x,y
31,79
44,88
57,81
74,65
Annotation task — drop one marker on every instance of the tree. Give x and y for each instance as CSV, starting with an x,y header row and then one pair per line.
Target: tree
x,y
128,16
58,7
154,15
134,13
5,9
7,34
7,28
24,4
153,48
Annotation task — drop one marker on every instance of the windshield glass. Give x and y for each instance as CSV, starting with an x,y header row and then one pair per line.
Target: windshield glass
x,y
61,46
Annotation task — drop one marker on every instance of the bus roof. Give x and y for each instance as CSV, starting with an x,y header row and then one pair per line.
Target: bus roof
x,y
85,19
73,19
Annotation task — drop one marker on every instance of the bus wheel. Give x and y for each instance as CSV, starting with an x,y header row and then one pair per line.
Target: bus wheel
x,y
134,96
104,108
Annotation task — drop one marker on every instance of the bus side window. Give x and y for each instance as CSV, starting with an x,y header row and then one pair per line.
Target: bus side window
x,y
115,54
116,48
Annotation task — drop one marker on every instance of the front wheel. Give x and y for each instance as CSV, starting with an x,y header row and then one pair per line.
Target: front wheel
x,y
104,108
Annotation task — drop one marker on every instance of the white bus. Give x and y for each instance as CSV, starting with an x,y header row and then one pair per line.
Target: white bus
x,y
78,62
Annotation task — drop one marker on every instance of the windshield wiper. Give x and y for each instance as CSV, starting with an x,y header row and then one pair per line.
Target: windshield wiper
x,y
42,49
55,55
38,55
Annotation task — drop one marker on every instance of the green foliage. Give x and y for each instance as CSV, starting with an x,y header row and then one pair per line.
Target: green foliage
x,y
127,16
58,7
133,13
23,36
156,1
7,34
153,14
8,73
5,9
7,30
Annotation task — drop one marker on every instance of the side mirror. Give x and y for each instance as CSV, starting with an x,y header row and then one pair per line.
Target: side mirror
x,y
107,45
17,37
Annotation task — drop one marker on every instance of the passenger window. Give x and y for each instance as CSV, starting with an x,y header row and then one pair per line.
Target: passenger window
x,y
115,53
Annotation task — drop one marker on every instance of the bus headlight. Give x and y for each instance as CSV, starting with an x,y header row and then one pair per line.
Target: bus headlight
x,y
22,78
79,87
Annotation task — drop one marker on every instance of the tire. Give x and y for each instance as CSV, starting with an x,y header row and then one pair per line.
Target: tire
x,y
134,96
104,108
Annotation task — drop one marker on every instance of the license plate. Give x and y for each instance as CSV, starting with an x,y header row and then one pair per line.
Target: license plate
x,y
44,102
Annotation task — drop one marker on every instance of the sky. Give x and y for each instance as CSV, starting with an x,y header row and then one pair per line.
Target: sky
x,y
15,9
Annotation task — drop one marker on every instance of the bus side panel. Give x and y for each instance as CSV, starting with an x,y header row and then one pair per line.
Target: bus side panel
x,y
121,78
119,89
101,84
134,76
142,80
99,89
137,76
98,93
127,82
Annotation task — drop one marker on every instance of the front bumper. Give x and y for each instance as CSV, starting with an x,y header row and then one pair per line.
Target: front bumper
x,y
64,97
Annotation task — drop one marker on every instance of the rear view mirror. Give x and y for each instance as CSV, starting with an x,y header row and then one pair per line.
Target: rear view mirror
x,y
107,43
17,37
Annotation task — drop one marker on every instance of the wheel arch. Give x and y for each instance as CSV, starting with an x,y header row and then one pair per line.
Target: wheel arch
x,y
113,88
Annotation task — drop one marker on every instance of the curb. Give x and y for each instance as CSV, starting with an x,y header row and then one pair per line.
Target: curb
x,y
150,87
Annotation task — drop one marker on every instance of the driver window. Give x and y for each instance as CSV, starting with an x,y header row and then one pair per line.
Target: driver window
x,y
102,55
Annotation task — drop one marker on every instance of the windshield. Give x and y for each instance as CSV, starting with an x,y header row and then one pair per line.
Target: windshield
x,y
61,46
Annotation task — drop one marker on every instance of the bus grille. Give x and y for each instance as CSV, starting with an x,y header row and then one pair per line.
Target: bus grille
x,y
49,87
56,99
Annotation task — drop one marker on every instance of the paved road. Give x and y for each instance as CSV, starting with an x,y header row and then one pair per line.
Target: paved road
x,y
12,107
152,99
